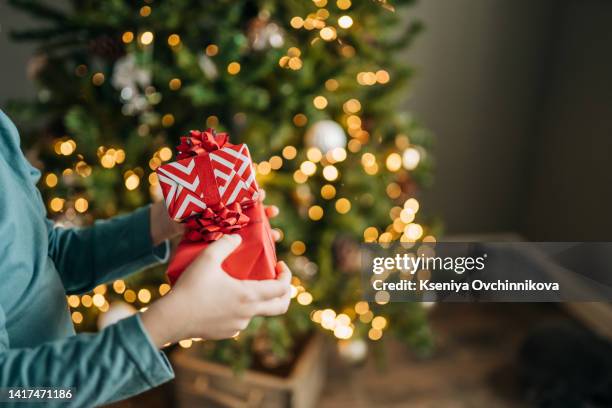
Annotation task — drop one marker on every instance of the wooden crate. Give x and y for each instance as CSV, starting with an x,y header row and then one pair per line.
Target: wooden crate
x,y
201,383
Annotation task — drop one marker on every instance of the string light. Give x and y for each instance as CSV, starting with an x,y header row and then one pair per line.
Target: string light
x,y
330,173
276,162
297,22
127,37
337,154
411,158
370,234
77,317
331,85
322,14
343,4
394,162
361,307
146,38
343,205
314,154
186,343
328,191
164,288
81,205
300,120
379,322
315,213
174,40
144,295
366,78
393,190
298,248
211,50
145,11
304,298
175,84
328,33
407,216
308,168
382,76
375,334
347,51
299,177
413,231
368,159
73,301
351,106
345,21
98,300
119,286
51,180
129,296
132,181
165,153
366,317
354,145
264,168
167,120
97,79
56,204
320,102
289,152
412,204
233,68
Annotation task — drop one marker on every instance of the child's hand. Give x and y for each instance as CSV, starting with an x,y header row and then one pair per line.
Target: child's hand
x,y
206,302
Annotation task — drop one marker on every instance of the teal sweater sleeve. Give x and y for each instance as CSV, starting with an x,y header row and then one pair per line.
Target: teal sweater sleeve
x,y
110,249
38,347
116,363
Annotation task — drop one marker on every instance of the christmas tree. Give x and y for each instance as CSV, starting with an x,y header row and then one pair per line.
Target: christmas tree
x,y
313,87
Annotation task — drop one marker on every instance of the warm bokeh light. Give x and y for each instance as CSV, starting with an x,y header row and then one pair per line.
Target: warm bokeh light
x,y
328,191
330,173
298,248
81,204
315,212
233,68
343,205
174,40
320,102
289,152
146,38
345,21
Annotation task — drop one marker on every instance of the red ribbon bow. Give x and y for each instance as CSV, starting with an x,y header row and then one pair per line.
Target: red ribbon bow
x,y
214,221
199,143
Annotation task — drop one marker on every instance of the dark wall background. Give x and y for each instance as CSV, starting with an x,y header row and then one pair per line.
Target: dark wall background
x,y
519,95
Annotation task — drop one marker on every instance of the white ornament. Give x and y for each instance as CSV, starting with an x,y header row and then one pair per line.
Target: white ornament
x,y
353,351
117,311
325,135
129,78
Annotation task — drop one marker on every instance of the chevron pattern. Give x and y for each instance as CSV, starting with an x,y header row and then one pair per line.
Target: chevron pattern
x,y
183,189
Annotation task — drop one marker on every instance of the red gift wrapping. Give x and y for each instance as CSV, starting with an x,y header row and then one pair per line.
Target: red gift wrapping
x,y
255,258
212,189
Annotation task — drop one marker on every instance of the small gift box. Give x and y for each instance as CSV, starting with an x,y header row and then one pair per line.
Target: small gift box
x,y
211,188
